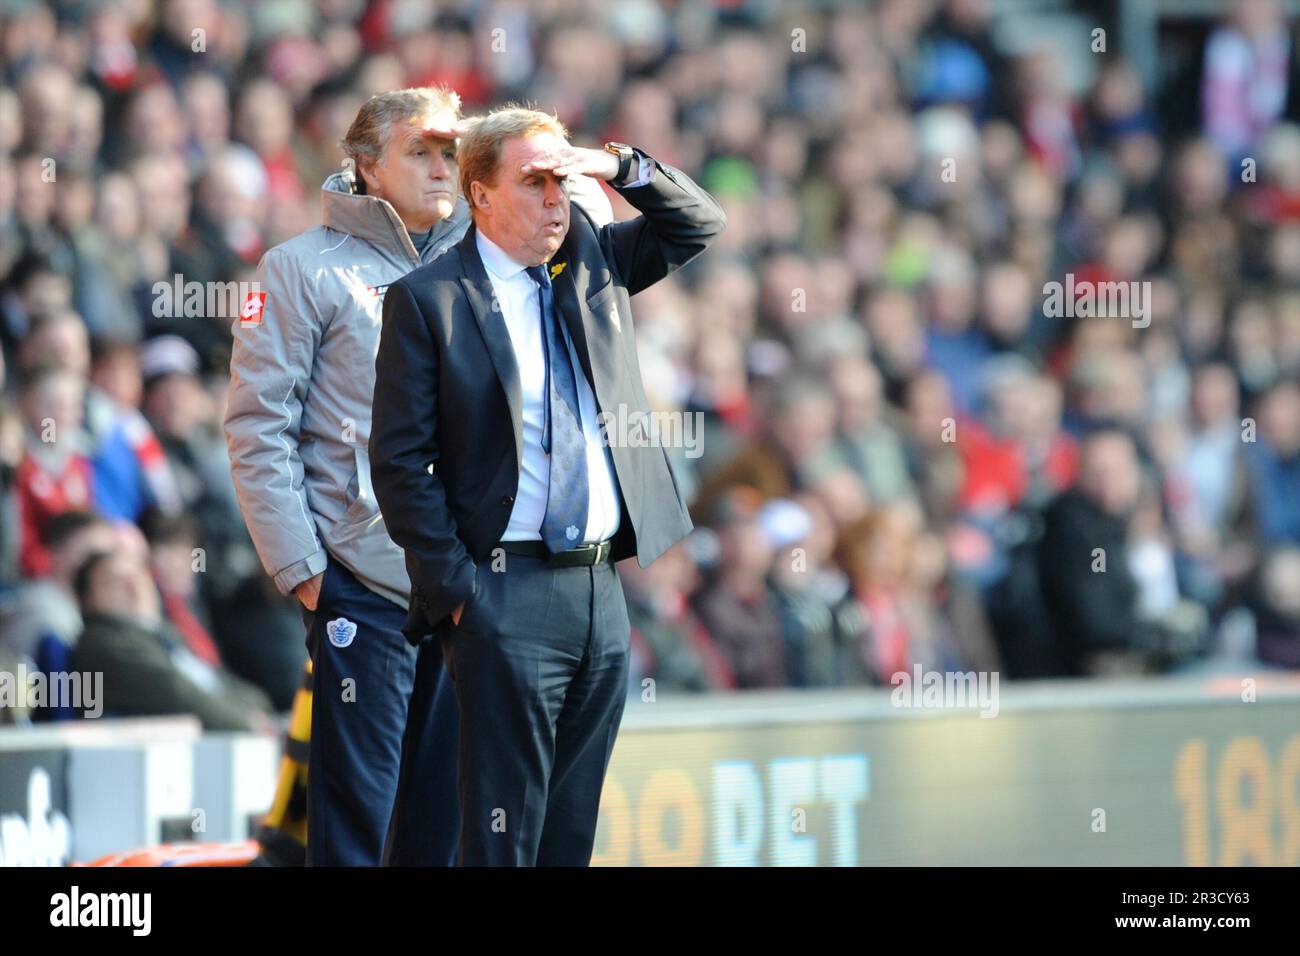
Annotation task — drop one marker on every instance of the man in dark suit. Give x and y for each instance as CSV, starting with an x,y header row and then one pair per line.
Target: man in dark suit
x,y
498,364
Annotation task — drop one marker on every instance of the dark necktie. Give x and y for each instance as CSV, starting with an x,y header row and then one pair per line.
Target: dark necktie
x,y
562,438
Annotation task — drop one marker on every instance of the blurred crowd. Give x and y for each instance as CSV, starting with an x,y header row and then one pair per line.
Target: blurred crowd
x,y
903,458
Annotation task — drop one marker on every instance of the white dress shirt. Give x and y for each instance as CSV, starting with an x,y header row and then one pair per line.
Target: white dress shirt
x,y
519,300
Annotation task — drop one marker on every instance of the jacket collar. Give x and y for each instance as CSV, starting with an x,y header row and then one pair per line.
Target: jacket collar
x,y
375,221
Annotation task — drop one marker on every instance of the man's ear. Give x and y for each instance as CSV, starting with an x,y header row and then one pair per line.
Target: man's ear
x,y
478,196
366,170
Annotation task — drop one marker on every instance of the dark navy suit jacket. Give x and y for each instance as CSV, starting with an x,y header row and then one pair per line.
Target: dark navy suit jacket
x,y
446,434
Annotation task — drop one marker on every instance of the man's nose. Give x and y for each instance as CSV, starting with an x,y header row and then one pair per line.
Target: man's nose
x,y
441,169
554,191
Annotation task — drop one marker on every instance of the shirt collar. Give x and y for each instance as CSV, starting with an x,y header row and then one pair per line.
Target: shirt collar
x,y
495,258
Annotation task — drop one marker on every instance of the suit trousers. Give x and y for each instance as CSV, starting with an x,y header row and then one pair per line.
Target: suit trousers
x,y
540,665
381,773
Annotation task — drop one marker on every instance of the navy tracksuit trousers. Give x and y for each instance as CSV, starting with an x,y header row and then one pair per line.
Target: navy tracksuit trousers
x,y
381,777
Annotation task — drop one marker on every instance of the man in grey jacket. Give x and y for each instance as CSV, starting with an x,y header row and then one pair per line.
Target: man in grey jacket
x,y
297,423
382,755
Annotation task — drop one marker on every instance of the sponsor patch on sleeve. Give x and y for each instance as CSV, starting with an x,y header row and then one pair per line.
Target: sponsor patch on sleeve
x,y
251,313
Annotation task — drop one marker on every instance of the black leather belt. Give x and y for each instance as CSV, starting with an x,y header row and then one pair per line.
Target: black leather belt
x,y
582,556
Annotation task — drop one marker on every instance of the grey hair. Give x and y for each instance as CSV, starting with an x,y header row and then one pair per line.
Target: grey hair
x,y
368,134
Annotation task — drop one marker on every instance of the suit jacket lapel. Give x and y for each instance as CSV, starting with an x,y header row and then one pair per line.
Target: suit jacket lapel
x,y
589,332
574,313
492,326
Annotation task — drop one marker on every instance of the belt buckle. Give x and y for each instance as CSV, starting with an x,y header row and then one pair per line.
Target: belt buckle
x,y
600,548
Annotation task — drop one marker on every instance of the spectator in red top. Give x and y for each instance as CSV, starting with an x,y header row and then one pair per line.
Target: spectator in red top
x,y
174,558
1022,452
878,553
54,475
264,120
